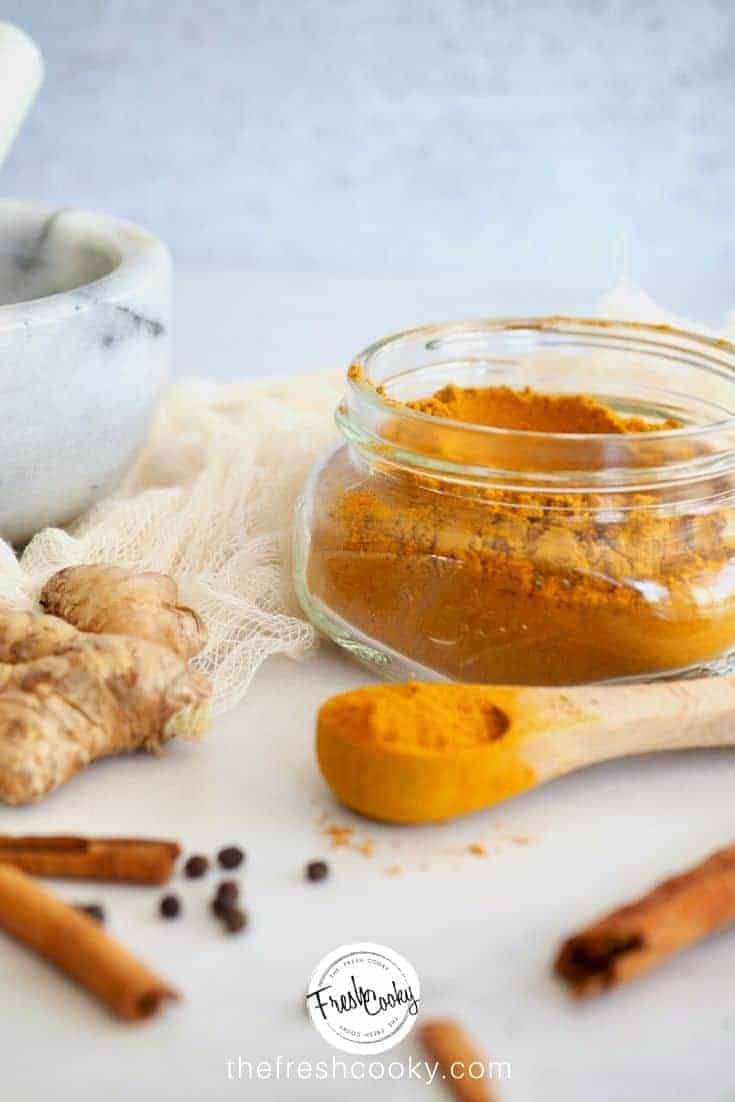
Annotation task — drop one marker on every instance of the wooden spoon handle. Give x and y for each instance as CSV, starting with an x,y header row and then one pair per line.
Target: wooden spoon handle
x,y
620,720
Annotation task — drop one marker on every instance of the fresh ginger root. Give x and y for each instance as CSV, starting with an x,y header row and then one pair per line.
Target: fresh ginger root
x,y
25,636
110,599
99,695
68,696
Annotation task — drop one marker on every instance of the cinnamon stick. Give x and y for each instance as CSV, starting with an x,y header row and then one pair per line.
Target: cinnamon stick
x,y
79,946
459,1059
128,860
634,939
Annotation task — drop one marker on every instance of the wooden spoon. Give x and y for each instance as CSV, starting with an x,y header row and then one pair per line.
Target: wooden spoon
x,y
417,753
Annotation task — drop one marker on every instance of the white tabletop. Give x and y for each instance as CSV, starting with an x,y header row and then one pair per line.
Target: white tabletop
x,y
481,931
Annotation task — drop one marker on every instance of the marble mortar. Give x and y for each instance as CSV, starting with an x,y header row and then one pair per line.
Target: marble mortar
x,y
85,305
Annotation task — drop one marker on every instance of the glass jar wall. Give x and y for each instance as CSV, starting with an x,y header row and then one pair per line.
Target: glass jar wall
x,y
440,548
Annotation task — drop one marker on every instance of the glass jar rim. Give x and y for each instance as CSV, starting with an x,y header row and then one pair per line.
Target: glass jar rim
x,y
697,343
365,404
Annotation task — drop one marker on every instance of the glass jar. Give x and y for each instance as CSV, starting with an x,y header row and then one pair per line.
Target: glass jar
x,y
440,549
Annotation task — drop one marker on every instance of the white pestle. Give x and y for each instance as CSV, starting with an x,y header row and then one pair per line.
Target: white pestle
x,y
21,73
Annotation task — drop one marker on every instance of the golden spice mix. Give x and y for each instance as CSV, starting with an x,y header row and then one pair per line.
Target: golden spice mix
x,y
540,576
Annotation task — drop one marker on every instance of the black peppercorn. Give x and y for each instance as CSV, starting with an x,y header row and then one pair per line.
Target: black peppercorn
x,y
228,891
235,920
196,866
317,870
225,898
230,857
170,906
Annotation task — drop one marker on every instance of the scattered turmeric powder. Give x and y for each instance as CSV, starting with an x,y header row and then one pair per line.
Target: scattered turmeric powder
x,y
340,836
343,837
507,586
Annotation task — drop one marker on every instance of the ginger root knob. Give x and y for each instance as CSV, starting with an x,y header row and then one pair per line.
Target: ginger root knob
x,y
115,601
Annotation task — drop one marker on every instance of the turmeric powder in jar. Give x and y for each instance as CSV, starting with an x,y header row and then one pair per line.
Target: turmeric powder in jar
x,y
533,502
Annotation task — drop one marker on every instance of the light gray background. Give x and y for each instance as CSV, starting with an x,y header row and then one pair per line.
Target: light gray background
x,y
375,136
504,145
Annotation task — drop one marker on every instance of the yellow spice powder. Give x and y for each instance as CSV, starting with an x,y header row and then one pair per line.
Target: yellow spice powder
x,y
502,586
